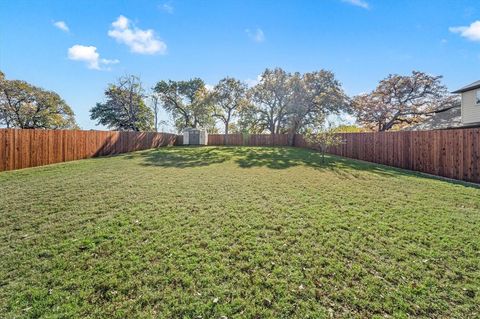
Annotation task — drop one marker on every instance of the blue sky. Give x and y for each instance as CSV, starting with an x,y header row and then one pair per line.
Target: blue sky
x,y
361,41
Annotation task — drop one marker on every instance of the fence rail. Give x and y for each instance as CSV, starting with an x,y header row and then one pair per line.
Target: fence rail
x,y
29,148
448,153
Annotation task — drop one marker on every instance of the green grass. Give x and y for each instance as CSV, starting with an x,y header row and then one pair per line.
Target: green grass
x,y
236,233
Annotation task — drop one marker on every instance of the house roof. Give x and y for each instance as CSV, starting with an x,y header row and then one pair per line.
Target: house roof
x,y
472,86
450,117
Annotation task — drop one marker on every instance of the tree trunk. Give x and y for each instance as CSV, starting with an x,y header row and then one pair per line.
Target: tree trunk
x,y
323,150
225,140
271,127
291,138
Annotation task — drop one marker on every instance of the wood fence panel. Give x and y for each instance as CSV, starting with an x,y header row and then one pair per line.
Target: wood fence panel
x,y
17,149
9,142
3,152
476,156
448,153
28,148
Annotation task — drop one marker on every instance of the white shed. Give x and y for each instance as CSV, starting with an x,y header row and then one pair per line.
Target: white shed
x,y
195,136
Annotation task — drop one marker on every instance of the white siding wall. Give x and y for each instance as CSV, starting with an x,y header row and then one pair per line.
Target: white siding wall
x,y
203,138
470,110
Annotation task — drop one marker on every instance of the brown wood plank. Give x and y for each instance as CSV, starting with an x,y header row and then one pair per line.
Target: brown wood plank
x,y
3,150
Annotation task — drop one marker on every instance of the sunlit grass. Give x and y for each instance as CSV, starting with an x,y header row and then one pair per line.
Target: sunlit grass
x,y
236,232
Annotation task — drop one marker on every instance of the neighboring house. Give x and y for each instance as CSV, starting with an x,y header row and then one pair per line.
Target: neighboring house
x,y
466,114
470,104
450,117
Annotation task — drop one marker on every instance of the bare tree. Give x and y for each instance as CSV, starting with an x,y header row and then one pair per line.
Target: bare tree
x,y
322,139
402,100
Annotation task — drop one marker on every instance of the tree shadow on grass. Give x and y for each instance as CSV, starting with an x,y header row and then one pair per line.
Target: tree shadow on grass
x,y
271,157
275,158
250,157
245,157
286,157
180,157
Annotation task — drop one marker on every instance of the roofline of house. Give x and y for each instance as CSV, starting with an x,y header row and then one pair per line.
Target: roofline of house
x,y
446,109
467,88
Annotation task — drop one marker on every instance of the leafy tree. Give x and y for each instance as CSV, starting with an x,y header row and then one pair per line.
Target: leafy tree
x,y
249,121
155,109
188,102
286,102
124,108
315,95
348,129
228,96
4,118
401,100
23,105
272,98
322,139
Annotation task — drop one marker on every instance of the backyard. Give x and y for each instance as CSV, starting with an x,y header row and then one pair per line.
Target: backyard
x,y
236,232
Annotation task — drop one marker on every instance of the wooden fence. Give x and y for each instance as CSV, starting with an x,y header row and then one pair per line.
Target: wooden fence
x,y
449,153
29,148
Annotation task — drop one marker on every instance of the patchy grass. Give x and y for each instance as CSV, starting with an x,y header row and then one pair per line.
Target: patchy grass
x,y
237,233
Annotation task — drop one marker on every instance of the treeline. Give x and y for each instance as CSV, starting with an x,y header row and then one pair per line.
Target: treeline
x,y
280,102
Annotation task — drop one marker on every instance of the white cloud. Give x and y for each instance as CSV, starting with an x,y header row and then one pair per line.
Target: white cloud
x,y
358,3
209,87
167,7
121,23
472,32
89,55
253,82
107,61
138,40
61,25
256,35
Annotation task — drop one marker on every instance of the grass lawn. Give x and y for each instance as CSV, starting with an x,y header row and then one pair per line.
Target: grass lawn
x,y
236,233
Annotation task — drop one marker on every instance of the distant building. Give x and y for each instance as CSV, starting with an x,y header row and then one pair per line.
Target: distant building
x,y
464,115
470,104
450,117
